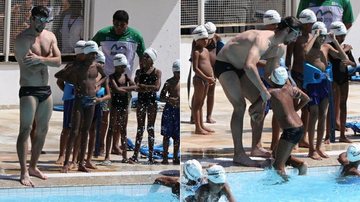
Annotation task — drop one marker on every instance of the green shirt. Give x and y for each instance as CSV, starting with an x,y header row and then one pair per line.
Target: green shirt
x,y
129,43
329,11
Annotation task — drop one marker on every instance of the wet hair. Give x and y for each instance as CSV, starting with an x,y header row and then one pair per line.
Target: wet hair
x,y
121,16
291,22
40,11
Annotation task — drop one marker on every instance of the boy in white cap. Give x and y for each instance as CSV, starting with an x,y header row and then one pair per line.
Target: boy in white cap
x,y
216,186
282,97
68,99
203,78
271,19
316,54
170,121
350,160
120,86
296,67
83,76
148,81
341,81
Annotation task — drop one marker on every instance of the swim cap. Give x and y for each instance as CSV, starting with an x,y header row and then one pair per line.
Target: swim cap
x,y
319,25
200,33
100,57
271,17
307,16
338,28
211,29
176,66
216,174
91,47
279,76
120,60
353,152
79,47
152,53
192,170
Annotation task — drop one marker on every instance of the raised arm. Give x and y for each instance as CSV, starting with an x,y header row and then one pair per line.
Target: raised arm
x,y
311,42
339,52
289,54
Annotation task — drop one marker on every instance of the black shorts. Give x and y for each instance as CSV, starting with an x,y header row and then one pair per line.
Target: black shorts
x,y
40,92
221,67
293,135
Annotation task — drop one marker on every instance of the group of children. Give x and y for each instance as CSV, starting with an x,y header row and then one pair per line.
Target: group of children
x,y
88,92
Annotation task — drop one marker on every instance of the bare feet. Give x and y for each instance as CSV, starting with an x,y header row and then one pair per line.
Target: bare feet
x,y
303,169
314,155
37,173
116,151
72,166
176,162
60,160
202,132
208,129
250,163
82,168
25,180
165,162
210,120
65,169
344,139
322,154
260,152
90,165
304,144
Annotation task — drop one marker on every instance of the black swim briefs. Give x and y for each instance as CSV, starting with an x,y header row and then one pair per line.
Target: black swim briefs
x,y
293,135
221,67
40,92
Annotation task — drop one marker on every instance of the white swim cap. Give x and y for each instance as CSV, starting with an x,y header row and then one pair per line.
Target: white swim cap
x,y
279,75
307,16
192,170
100,57
353,152
91,47
200,33
176,66
79,47
319,25
152,53
120,60
271,17
211,29
216,174
338,28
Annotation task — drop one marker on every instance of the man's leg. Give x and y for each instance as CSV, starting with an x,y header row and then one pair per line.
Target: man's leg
x,y
42,118
231,85
28,106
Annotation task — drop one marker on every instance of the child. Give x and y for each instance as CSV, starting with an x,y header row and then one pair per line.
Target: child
x,y
204,77
121,86
316,54
83,77
282,98
216,186
170,122
350,160
148,80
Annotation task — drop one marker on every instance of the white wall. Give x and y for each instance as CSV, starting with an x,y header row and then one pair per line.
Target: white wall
x,y
157,20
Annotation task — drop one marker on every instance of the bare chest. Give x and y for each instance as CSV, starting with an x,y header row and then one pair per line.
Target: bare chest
x,y
41,46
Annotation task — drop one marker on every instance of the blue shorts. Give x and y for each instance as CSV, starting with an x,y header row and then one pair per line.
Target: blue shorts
x,y
170,122
318,92
68,106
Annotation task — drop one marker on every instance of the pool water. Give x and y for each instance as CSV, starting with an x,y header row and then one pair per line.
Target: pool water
x,y
128,193
320,185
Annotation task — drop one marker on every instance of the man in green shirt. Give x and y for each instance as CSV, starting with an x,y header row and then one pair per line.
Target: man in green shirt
x,y
329,11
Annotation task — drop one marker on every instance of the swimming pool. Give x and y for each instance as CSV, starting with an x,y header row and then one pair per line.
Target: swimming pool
x,y
89,194
320,184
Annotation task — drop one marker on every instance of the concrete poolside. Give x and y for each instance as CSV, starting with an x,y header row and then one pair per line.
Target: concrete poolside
x,y
218,147
117,173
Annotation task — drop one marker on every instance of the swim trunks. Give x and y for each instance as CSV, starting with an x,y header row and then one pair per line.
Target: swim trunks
x,y
86,101
317,92
221,67
40,92
292,135
170,122
196,77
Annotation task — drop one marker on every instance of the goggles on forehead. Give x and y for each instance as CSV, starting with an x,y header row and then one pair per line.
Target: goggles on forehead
x,y
44,19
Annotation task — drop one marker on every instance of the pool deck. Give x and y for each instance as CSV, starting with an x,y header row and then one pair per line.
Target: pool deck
x,y
218,147
116,174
